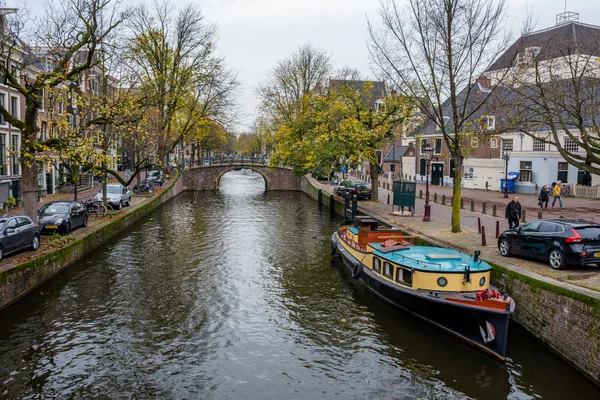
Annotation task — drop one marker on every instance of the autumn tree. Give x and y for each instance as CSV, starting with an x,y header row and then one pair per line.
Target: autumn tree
x,y
433,51
64,43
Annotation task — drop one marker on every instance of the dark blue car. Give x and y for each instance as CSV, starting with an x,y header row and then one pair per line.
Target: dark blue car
x,y
18,232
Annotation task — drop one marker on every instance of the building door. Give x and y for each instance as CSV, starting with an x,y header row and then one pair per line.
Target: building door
x,y
563,172
422,166
437,173
451,174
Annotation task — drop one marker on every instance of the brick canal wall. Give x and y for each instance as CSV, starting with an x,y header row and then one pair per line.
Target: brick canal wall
x,y
20,279
563,317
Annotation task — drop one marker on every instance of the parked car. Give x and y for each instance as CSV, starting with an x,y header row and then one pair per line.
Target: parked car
x,y
117,196
18,232
156,176
562,242
362,191
343,187
206,162
62,217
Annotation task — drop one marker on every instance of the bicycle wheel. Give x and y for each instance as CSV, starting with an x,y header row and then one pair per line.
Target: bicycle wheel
x,y
101,210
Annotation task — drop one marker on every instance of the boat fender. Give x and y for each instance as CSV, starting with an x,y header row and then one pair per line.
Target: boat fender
x,y
357,271
333,248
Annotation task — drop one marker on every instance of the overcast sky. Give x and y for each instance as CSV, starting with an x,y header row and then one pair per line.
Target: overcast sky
x,y
255,34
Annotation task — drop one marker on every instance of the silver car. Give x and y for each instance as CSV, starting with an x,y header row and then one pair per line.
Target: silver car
x,y
117,196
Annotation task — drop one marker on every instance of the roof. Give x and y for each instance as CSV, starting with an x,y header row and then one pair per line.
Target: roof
x,y
571,37
395,153
377,93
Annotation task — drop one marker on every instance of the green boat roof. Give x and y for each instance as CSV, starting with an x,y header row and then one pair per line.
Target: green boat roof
x,y
432,259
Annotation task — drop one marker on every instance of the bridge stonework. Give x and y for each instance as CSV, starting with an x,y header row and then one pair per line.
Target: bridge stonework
x,y
209,177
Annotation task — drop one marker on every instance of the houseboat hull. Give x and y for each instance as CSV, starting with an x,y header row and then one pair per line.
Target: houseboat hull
x,y
448,311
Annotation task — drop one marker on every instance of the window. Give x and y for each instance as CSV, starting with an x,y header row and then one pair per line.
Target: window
x,y
44,131
14,106
24,221
437,149
379,106
12,224
531,227
525,172
538,145
376,265
489,122
404,276
2,154
15,154
550,227
507,144
563,172
444,123
570,144
43,100
494,143
423,145
388,270
474,143
3,104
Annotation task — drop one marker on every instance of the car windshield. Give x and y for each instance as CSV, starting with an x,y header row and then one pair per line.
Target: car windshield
x,y
154,173
113,189
362,186
56,209
589,232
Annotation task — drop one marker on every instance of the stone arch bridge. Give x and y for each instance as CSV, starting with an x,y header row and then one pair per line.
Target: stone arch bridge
x,y
208,177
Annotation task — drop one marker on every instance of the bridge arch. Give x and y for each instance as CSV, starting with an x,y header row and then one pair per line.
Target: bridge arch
x,y
208,177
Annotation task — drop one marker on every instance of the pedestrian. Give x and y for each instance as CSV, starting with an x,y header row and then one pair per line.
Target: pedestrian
x,y
513,213
544,197
332,175
557,192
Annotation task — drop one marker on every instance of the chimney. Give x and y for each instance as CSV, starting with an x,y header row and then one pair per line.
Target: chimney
x,y
484,81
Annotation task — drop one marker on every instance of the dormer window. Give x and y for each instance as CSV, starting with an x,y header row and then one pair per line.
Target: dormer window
x,y
489,122
438,126
526,58
380,106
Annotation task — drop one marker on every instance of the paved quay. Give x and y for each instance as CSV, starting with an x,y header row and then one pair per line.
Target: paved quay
x,y
585,280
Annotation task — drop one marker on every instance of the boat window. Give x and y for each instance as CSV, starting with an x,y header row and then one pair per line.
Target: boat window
x,y
376,265
404,276
388,270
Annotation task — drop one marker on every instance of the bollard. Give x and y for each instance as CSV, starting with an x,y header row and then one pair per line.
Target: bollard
x,y
524,216
486,186
472,205
421,193
484,208
347,201
354,206
478,225
536,188
539,215
435,197
483,241
561,216
331,204
462,204
443,199
494,214
320,197
497,229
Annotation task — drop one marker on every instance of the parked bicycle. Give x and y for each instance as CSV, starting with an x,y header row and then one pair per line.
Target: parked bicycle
x,y
95,208
148,186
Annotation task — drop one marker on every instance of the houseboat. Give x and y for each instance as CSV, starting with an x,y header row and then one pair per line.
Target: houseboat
x,y
445,287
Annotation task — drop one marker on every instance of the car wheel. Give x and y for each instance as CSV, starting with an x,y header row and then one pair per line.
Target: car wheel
x,y
1,253
120,205
67,228
85,222
35,243
504,248
556,258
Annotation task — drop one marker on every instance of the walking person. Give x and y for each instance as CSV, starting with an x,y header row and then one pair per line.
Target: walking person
x,y
513,213
557,192
544,197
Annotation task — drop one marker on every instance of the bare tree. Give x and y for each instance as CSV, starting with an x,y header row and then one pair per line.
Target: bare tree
x,y
303,73
433,51
64,44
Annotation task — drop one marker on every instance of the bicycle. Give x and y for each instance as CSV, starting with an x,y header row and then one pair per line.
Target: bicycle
x,y
95,208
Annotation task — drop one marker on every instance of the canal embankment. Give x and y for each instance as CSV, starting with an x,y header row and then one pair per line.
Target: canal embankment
x,y
18,279
563,316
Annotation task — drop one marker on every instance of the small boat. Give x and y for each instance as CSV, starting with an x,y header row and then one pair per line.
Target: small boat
x,y
445,287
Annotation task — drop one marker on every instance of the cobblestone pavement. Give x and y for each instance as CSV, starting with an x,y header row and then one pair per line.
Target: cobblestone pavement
x,y
470,239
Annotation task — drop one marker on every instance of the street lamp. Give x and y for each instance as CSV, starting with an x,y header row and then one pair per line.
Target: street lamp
x,y
428,153
505,157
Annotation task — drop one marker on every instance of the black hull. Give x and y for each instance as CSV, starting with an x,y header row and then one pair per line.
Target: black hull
x,y
460,320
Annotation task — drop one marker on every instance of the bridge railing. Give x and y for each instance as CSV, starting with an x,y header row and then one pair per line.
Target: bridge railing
x,y
234,160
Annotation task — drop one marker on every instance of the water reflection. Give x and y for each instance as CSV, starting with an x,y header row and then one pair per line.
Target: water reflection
x,y
232,295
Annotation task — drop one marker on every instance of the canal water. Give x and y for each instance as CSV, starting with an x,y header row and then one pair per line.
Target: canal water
x,y
234,295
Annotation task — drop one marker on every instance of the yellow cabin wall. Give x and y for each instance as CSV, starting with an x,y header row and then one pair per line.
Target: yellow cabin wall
x,y
424,280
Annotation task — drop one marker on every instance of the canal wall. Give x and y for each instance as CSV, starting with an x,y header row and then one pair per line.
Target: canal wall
x,y
564,317
18,280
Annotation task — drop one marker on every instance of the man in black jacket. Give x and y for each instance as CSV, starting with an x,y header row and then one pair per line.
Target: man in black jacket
x,y
513,213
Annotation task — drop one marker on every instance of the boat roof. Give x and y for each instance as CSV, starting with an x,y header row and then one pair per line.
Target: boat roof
x,y
431,259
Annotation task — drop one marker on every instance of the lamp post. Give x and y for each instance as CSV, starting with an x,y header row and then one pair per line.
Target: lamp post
x,y
505,157
428,152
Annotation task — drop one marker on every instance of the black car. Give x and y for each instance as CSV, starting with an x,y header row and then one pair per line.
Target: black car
x,y
362,191
62,216
18,232
561,242
156,176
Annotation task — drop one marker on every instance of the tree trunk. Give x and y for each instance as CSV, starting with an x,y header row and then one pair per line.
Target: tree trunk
x,y
456,195
30,188
75,191
374,172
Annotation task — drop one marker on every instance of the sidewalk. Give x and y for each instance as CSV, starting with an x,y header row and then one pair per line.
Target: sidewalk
x,y
469,239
